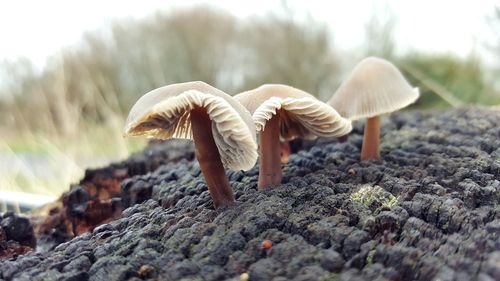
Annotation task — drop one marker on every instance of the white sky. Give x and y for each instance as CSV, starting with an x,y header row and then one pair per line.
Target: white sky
x,y
37,29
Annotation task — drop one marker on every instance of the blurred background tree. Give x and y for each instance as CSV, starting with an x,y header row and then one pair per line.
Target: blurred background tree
x,y
286,51
103,76
494,47
379,34
98,80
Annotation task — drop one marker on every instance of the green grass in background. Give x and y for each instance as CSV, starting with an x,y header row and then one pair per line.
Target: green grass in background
x,y
48,164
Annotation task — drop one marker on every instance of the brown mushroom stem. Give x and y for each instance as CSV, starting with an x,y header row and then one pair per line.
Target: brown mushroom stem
x,y
270,154
343,138
209,158
285,152
371,139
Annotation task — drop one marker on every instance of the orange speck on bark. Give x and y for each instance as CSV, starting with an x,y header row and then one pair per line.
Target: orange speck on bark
x,y
267,244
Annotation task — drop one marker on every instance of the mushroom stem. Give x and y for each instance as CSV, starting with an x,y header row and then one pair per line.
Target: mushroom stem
x,y
270,154
209,158
343,138
285,151
371,139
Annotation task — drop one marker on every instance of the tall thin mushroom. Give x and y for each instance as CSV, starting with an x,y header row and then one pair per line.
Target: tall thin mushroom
x,y
374,87
222,129
281,112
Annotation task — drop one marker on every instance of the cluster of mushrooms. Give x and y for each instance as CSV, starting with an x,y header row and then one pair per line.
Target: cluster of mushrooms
x,y
223,127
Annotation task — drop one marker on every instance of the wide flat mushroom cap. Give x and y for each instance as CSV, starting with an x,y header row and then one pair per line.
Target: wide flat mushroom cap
x,y
301,114
374,87
164,113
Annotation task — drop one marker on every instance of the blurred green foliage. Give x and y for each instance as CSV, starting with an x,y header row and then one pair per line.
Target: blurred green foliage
x,y
464,78
98,80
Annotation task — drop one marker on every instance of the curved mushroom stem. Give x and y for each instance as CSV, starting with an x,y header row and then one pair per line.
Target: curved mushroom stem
x,y
209,158
270,154
343,138
285,151
371,139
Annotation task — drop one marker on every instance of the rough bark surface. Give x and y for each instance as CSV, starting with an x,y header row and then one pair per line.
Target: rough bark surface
x,y
16,236
429,209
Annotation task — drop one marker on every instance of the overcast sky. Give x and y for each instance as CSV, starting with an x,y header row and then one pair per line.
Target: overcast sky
x,y
37,29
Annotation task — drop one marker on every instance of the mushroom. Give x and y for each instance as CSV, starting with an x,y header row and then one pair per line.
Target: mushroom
x,y
221,128
285,151
281,112
373,88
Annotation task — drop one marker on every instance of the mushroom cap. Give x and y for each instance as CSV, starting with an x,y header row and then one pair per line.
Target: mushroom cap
x,y
301,115
374,87
164,113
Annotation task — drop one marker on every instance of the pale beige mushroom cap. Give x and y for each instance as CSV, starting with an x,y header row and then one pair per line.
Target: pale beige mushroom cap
x,y
302,114
374,87
164,113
